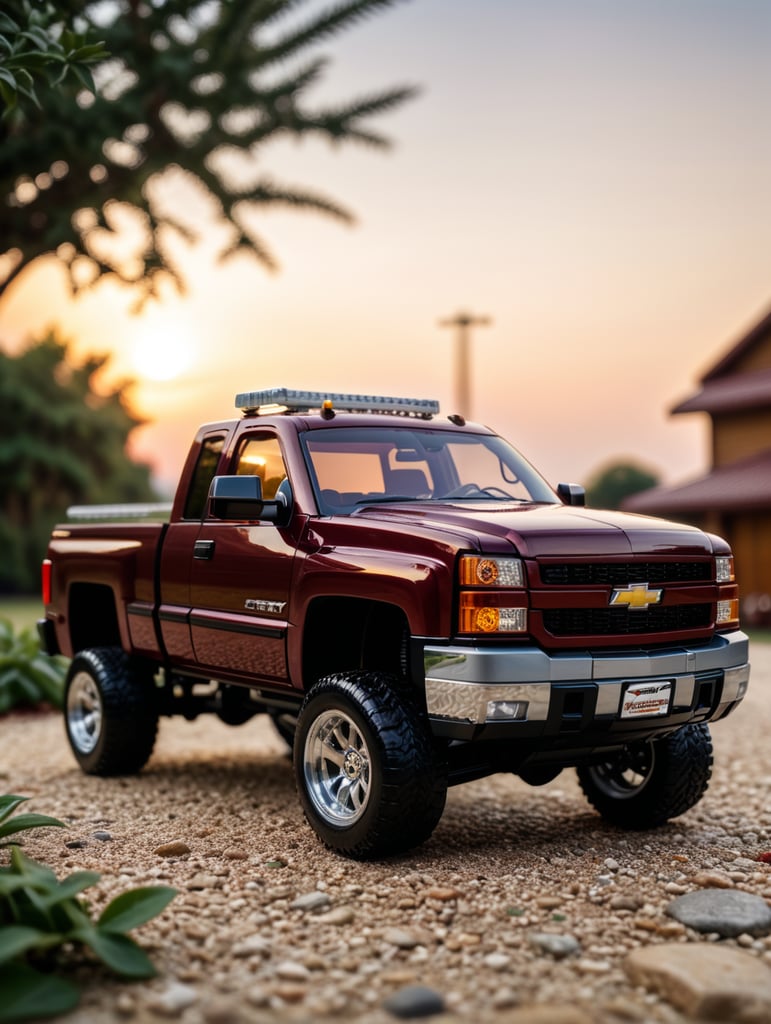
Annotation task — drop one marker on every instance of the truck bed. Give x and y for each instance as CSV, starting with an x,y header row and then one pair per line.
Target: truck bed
x,y
120,562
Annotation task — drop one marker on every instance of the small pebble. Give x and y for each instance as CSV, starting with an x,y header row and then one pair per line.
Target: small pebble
x,y
290,970
174,999
558,946
310,901
174,849
401,937
414,1001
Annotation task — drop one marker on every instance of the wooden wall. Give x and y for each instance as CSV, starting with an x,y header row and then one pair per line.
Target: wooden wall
x,y
738,435
749,534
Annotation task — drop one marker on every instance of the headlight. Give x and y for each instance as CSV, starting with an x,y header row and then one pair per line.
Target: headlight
x,y
724,569
480,613
483,571
486,603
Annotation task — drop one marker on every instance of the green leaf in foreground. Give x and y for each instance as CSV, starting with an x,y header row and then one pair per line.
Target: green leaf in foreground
x,y
40,914
9,801
72,885
16,939
133,908
23,821
119,952
26,993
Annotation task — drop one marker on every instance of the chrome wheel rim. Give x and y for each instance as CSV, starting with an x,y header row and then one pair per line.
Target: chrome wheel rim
x,y
336,767
627,776
84,712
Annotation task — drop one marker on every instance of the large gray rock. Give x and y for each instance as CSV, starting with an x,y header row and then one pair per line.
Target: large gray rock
x,y
729,912
709,982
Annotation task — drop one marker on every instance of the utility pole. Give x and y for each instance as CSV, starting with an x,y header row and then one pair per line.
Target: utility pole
x,y
463,322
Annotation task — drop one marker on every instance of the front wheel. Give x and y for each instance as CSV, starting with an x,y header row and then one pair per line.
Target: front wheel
x,y
110,712
370,779
649,783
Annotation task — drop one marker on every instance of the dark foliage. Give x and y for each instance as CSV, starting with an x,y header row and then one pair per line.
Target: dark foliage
x,y
61,443
610,486
193,88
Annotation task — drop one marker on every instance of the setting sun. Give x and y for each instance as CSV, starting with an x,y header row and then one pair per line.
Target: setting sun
x,y
161,352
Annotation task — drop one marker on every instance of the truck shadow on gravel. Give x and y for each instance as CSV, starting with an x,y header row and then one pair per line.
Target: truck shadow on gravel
x,y
232,792
534,827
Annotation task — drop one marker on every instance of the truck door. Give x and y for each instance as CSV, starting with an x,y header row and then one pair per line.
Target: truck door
x,y
240,579
177,551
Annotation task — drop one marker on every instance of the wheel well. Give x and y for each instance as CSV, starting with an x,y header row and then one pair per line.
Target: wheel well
x,y
343,634
92,616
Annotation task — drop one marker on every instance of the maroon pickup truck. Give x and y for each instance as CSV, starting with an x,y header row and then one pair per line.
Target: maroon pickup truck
x,y
413,606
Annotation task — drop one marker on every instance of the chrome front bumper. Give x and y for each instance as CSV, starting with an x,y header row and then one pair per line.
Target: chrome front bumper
x,y
462,682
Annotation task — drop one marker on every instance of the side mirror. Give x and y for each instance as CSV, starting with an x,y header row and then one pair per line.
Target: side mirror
x,y
240,497
571,494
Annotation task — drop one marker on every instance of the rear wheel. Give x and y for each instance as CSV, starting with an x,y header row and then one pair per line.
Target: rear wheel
x,y
649,783
370,779
110,712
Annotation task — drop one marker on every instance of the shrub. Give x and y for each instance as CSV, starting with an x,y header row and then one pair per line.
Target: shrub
x,y
27,675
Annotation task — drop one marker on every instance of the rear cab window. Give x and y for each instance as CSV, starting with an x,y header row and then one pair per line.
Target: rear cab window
x,y
203,474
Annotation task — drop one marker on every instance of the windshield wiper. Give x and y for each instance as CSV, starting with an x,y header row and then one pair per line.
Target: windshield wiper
x,y
381,499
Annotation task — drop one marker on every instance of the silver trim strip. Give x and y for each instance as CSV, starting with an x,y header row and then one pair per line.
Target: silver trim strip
x,y
134,510
461,680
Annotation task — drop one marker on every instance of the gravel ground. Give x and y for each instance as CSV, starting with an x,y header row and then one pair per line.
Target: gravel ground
x,y
269,926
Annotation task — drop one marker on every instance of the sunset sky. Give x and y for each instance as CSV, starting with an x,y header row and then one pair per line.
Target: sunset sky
x,y
593,175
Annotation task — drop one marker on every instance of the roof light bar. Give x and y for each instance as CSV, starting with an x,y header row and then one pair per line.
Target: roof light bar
x,y
276,399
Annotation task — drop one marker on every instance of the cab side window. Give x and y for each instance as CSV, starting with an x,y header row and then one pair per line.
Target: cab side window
x,y
261,456
203,474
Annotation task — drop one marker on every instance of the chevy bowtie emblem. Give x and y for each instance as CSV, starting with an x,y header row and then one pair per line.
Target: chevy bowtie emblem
x,y
637,596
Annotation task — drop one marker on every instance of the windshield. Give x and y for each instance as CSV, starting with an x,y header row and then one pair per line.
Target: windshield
x,y
354,466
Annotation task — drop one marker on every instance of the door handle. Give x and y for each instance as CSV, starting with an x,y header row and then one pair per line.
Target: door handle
x,y
203,550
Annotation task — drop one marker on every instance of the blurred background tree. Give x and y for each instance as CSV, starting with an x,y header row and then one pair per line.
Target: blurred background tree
x,y
61,443
187,91
193,87
609,486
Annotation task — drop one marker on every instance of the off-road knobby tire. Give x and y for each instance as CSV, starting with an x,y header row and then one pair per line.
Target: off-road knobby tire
x,y
408,772
678,778
129,721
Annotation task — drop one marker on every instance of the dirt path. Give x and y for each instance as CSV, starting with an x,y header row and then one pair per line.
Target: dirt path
x,y
270,926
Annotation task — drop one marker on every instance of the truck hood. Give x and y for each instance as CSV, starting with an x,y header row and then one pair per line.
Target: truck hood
x,y
546,530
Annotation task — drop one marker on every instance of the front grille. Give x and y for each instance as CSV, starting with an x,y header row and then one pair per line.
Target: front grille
x,y
574,574
625,621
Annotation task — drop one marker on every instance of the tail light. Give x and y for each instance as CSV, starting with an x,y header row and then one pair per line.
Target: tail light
x,y
45,580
